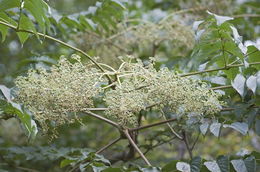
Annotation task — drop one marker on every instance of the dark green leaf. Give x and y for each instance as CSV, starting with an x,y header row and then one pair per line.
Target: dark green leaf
x,y
195,164
25,24
7,4
118,4
170,166
257,127
223,163
66,162
250,163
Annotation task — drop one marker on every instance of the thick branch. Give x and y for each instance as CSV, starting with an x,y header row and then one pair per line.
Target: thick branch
x,y
136,147
103,119
60,42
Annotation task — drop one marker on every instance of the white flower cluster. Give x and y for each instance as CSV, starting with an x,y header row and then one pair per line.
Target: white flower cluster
x,y
171,33
144,87
70,87
57,94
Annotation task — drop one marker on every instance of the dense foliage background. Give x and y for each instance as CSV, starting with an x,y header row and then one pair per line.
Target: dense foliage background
x,y
213,41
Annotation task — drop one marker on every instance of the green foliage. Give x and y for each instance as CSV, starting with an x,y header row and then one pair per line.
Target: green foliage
x,y
202,84
8,109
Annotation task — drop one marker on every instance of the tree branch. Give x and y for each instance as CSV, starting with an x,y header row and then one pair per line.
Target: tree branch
x,y
136,147
172,130
246,15
221,87
213,70
103,119
185,139
193,145
60,42
152,125
108,145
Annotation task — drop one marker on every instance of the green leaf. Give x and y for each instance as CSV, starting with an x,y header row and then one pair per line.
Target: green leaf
x,y
183,166
39,9
88,23
112,170
98,167
195,164
215,128
66,162
239,84
6,92
204,128
257,127
239,165
220,19
25,24
241,127
212,166
118,4
170,166
5,18
250,163
251,83
223,163
11,108
4,29
253,55
231,73
7,4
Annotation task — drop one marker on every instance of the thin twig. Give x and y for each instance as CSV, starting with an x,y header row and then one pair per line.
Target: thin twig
x,y
60,42
193,145
246,15
213,70
172,130
183,11
155,146
221,87
108,145
136,147
152,125
185,139
97,109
